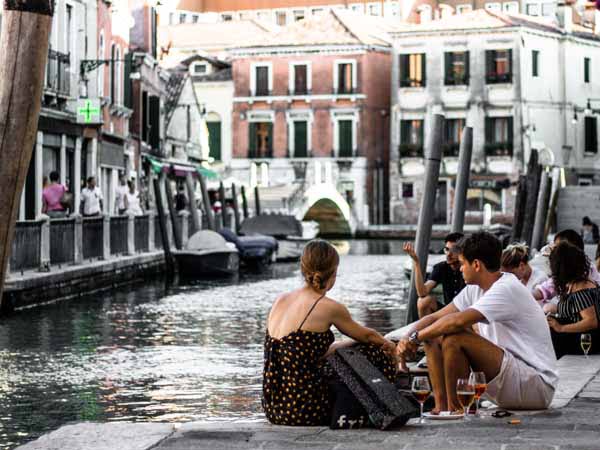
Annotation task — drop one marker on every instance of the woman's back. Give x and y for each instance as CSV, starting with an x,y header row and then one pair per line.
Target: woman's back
x,y
299,309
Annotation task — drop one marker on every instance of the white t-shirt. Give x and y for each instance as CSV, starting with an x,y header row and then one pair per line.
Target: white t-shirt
x,y
514,322
91,200
538,276
133,204
121,191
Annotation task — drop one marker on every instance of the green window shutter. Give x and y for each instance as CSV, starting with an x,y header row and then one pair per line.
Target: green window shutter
x,y
510,65
345,138
251,140
510,134
424,69
448,75
591,135
467,68
214,139
300,140
127,91
270,142
154,122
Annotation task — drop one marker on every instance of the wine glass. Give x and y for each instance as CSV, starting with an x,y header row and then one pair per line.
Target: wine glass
x,y
465,391
586,343
421,390
477,379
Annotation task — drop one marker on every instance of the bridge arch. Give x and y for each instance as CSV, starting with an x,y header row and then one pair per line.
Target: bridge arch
x,y
325,205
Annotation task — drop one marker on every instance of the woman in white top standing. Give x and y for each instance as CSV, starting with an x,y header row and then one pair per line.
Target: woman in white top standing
x,y
515,260
132,201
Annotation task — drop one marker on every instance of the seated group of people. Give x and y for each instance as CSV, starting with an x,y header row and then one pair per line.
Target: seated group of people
x,y
491,319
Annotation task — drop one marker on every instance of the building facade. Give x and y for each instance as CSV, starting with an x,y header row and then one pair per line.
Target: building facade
x,y
311,108
521,83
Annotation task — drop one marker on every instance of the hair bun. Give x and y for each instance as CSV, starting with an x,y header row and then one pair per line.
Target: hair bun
x,y
317,281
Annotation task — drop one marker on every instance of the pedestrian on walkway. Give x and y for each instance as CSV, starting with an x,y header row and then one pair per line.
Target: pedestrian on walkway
x,y
132,203
91,199
53,197
120,194
589,232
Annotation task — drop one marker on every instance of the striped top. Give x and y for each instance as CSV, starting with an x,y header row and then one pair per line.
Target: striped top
x,y
570,306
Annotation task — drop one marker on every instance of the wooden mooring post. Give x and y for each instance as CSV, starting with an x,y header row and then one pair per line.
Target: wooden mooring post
x,y
206,203
26,26
257,201
244,202
433,157
534,174
162,223
462,180
236,209
191,191
176,228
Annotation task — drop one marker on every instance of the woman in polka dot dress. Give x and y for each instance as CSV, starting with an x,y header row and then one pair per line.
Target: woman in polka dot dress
x,y
298,337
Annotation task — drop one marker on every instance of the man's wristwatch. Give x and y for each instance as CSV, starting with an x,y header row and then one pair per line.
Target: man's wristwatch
x,y
414,338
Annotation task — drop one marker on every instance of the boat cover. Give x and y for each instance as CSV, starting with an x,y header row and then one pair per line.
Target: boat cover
x,y
206,240
272,225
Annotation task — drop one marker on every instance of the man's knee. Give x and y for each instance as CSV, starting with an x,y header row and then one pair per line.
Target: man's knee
x,y
454,341
427,302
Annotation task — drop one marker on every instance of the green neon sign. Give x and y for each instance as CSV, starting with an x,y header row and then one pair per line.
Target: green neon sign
x,y
88,111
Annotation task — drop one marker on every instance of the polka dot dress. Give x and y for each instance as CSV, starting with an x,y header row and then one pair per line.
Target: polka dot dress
x,y
296,378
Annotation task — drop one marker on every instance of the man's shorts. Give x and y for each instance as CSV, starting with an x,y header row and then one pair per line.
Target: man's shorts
x,y
519,386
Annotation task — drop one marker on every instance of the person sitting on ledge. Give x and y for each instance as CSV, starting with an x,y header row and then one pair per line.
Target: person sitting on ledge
x,y
579,301
513,347
545,292
298,337
515,260
447,273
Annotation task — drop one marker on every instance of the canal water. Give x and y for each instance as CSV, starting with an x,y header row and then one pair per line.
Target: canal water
x,y
169,354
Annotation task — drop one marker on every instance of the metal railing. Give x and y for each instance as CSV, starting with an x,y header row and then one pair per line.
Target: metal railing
x,y
62,241
92,235
118,235
25,252
49,243
141,228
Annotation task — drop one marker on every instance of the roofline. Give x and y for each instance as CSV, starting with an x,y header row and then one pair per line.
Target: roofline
x,y
315,48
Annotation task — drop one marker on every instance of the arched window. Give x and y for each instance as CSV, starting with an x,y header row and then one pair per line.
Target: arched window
x,y
102,68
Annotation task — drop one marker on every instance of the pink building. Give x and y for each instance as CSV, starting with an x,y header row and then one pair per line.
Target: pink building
x,y
311,106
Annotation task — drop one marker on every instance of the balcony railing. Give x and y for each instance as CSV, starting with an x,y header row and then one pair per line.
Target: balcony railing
x,y
451,148
345,90
303,91
57,73
410,150
456,80
411,82
260,155
499,149
497,78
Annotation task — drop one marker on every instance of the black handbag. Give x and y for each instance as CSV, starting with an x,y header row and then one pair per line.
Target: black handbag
x,y
385,406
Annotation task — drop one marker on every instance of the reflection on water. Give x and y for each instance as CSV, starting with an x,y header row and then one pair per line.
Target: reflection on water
x,y
153,353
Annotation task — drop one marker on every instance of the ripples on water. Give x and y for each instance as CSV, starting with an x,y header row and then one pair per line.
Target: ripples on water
x,y
152,353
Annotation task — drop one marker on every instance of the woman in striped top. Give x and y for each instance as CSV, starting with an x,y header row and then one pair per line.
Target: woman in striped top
x,y
579,301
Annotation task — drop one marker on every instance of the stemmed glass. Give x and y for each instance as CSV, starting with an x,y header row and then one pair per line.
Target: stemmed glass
x,y
586,343
465,391
477,379
421,390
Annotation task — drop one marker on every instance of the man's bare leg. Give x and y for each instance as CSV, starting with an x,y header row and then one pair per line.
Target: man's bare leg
x,y
426,305
435,364
467,351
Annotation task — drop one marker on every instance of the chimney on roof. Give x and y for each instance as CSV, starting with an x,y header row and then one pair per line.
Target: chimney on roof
x,y
564,16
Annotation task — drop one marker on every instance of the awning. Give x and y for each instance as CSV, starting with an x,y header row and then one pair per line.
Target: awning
x,y
179,169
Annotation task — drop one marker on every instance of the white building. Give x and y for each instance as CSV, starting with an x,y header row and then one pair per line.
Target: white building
x,y
521,82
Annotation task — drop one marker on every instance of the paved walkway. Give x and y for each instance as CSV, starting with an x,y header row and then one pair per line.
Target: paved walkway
x,y
575,426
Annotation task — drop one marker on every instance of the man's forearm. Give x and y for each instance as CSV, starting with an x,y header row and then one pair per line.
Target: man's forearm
x,y
446,325
419,283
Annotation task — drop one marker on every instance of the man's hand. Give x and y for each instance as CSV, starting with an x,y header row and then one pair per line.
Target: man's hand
x,y
409,249
405,349
389,348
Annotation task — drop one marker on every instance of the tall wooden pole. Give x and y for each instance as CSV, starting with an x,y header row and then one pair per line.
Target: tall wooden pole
x,y
191,191
539,238
206,202
176,228
23,53
236,208
163,227
256,201
462,180
433,157
244,203
224,215
534,175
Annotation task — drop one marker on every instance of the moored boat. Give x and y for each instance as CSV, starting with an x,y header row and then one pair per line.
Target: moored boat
x,y
207,254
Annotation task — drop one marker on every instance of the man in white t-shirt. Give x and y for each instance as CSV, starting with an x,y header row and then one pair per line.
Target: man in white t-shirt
x,y
120,193
91,199
513,347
